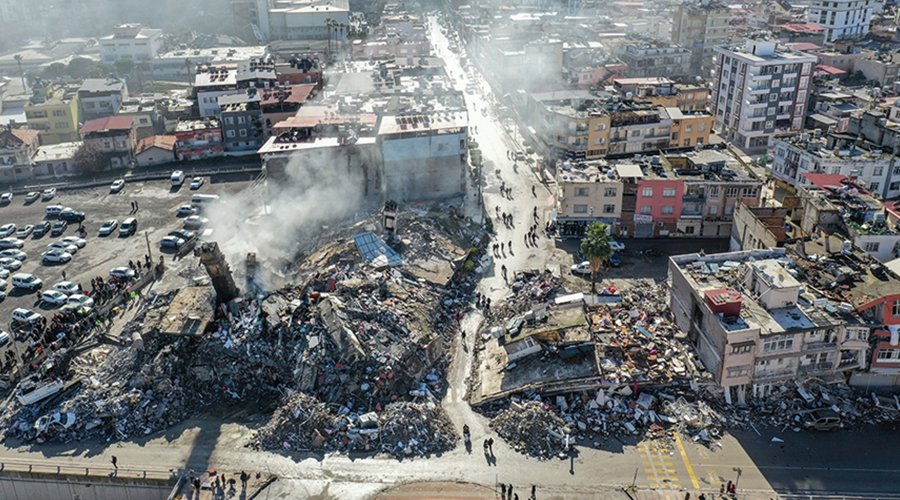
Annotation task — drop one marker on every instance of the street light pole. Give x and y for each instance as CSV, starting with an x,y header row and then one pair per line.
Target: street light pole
x,y
147,239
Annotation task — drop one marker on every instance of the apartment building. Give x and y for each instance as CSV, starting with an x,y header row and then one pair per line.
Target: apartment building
x,y
54,111
701,27
689,129
131,42
755,325
654,58
843,19
661,91
760,89
586,193
801,154
241,118
638,129
113,136
211,83
18,147
198,139
99,97
302,19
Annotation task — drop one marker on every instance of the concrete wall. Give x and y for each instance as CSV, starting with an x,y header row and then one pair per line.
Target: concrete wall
x,y
22,486
424,167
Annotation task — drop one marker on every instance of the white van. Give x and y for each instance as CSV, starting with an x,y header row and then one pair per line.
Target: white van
x,y
199,199
27,281
54,210
177,178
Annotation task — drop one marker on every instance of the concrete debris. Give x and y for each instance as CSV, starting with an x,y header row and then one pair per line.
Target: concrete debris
x,y
531,427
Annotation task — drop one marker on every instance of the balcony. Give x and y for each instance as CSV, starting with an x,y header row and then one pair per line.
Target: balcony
x,y
768,375
816,367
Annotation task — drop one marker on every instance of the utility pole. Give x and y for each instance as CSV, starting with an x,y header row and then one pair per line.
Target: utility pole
x,y
147,239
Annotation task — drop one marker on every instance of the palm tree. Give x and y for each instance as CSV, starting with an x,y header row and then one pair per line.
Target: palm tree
x,y
18,58
595,246
190,77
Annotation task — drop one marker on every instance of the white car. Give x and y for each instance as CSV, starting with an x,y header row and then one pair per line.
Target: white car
x,y
196,182
65,247
32,196
23,315
108,227
74,240
54,256
81,300
582,268
4,338
6,198
54,297
48,194
171,242
10,263
25,231
615,246
185,210
117,186
4,273
195,222
11,243
7,230
121,272
66,287
14,253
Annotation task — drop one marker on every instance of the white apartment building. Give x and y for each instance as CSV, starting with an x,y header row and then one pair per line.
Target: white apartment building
x,y
843,18
131,42
760,89
303,19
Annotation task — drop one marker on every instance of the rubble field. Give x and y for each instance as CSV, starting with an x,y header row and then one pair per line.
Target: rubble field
x,y
350,357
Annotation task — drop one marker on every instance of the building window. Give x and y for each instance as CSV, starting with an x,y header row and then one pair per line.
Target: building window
x,y
732,192
737,371
713,191
687,143
229,133
229,120
668,210
888,354
669,192
675,136
582,191
873,186
241,120
609,192
580,209
872,246
713,210
243,132
741,349
689,128
648,192
609,209
646,210
879,171
778,344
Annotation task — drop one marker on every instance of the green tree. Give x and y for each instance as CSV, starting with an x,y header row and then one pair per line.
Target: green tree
x,y
90,159
595,246
18,58
54,71
81,68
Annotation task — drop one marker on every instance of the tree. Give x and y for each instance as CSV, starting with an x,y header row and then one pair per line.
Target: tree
x,y
124,68
595,246
90,159
54,71
18,58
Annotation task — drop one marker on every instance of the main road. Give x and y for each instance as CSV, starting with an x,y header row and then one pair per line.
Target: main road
x,y
858,462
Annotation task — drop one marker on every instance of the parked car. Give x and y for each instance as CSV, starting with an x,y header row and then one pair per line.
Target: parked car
x,y
58,228
14,253
48,194
74,240
41,228
6,198
23,315
32,197
54,297
4,338
66,287
55,256
583,268
122,272
129,227
186,210
81,300
177,178
53,211
62,245
822,419
24,231
117,186
172,242
108,227
70,215
10,263
183,234
196,183
616,246
11,243
4,273
195,222
27,281
7,230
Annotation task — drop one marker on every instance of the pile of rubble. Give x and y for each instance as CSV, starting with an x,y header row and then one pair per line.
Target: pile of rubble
x,y
531,427
302,423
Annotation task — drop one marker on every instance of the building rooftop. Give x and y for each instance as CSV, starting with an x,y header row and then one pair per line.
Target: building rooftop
x,y
216,76
107,124
191,125
100,85
63,150
593,171
423,122
166,142
295,94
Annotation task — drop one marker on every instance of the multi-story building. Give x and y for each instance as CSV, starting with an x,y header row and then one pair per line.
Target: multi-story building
x,y
241,118
760,89
756,326
18,147
638,129
114,136
586,193
424,154
661,91
689,129
880,67
198,139
842,18
131,42
282,101
701,27
801,154
53,110
653,58
57,160
99,97
300,19
179,65
211,83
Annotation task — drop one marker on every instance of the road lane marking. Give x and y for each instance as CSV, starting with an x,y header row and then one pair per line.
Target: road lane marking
x,y
687,463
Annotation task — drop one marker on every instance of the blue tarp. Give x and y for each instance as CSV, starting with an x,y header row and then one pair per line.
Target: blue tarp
x,y
369,245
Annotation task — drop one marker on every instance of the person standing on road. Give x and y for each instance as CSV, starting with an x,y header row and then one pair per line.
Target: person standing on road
x,y
115,462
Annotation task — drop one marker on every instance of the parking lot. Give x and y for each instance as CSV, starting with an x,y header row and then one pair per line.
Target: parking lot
x,y
157,202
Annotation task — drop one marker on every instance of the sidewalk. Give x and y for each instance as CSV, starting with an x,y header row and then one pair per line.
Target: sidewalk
x,y
695,494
